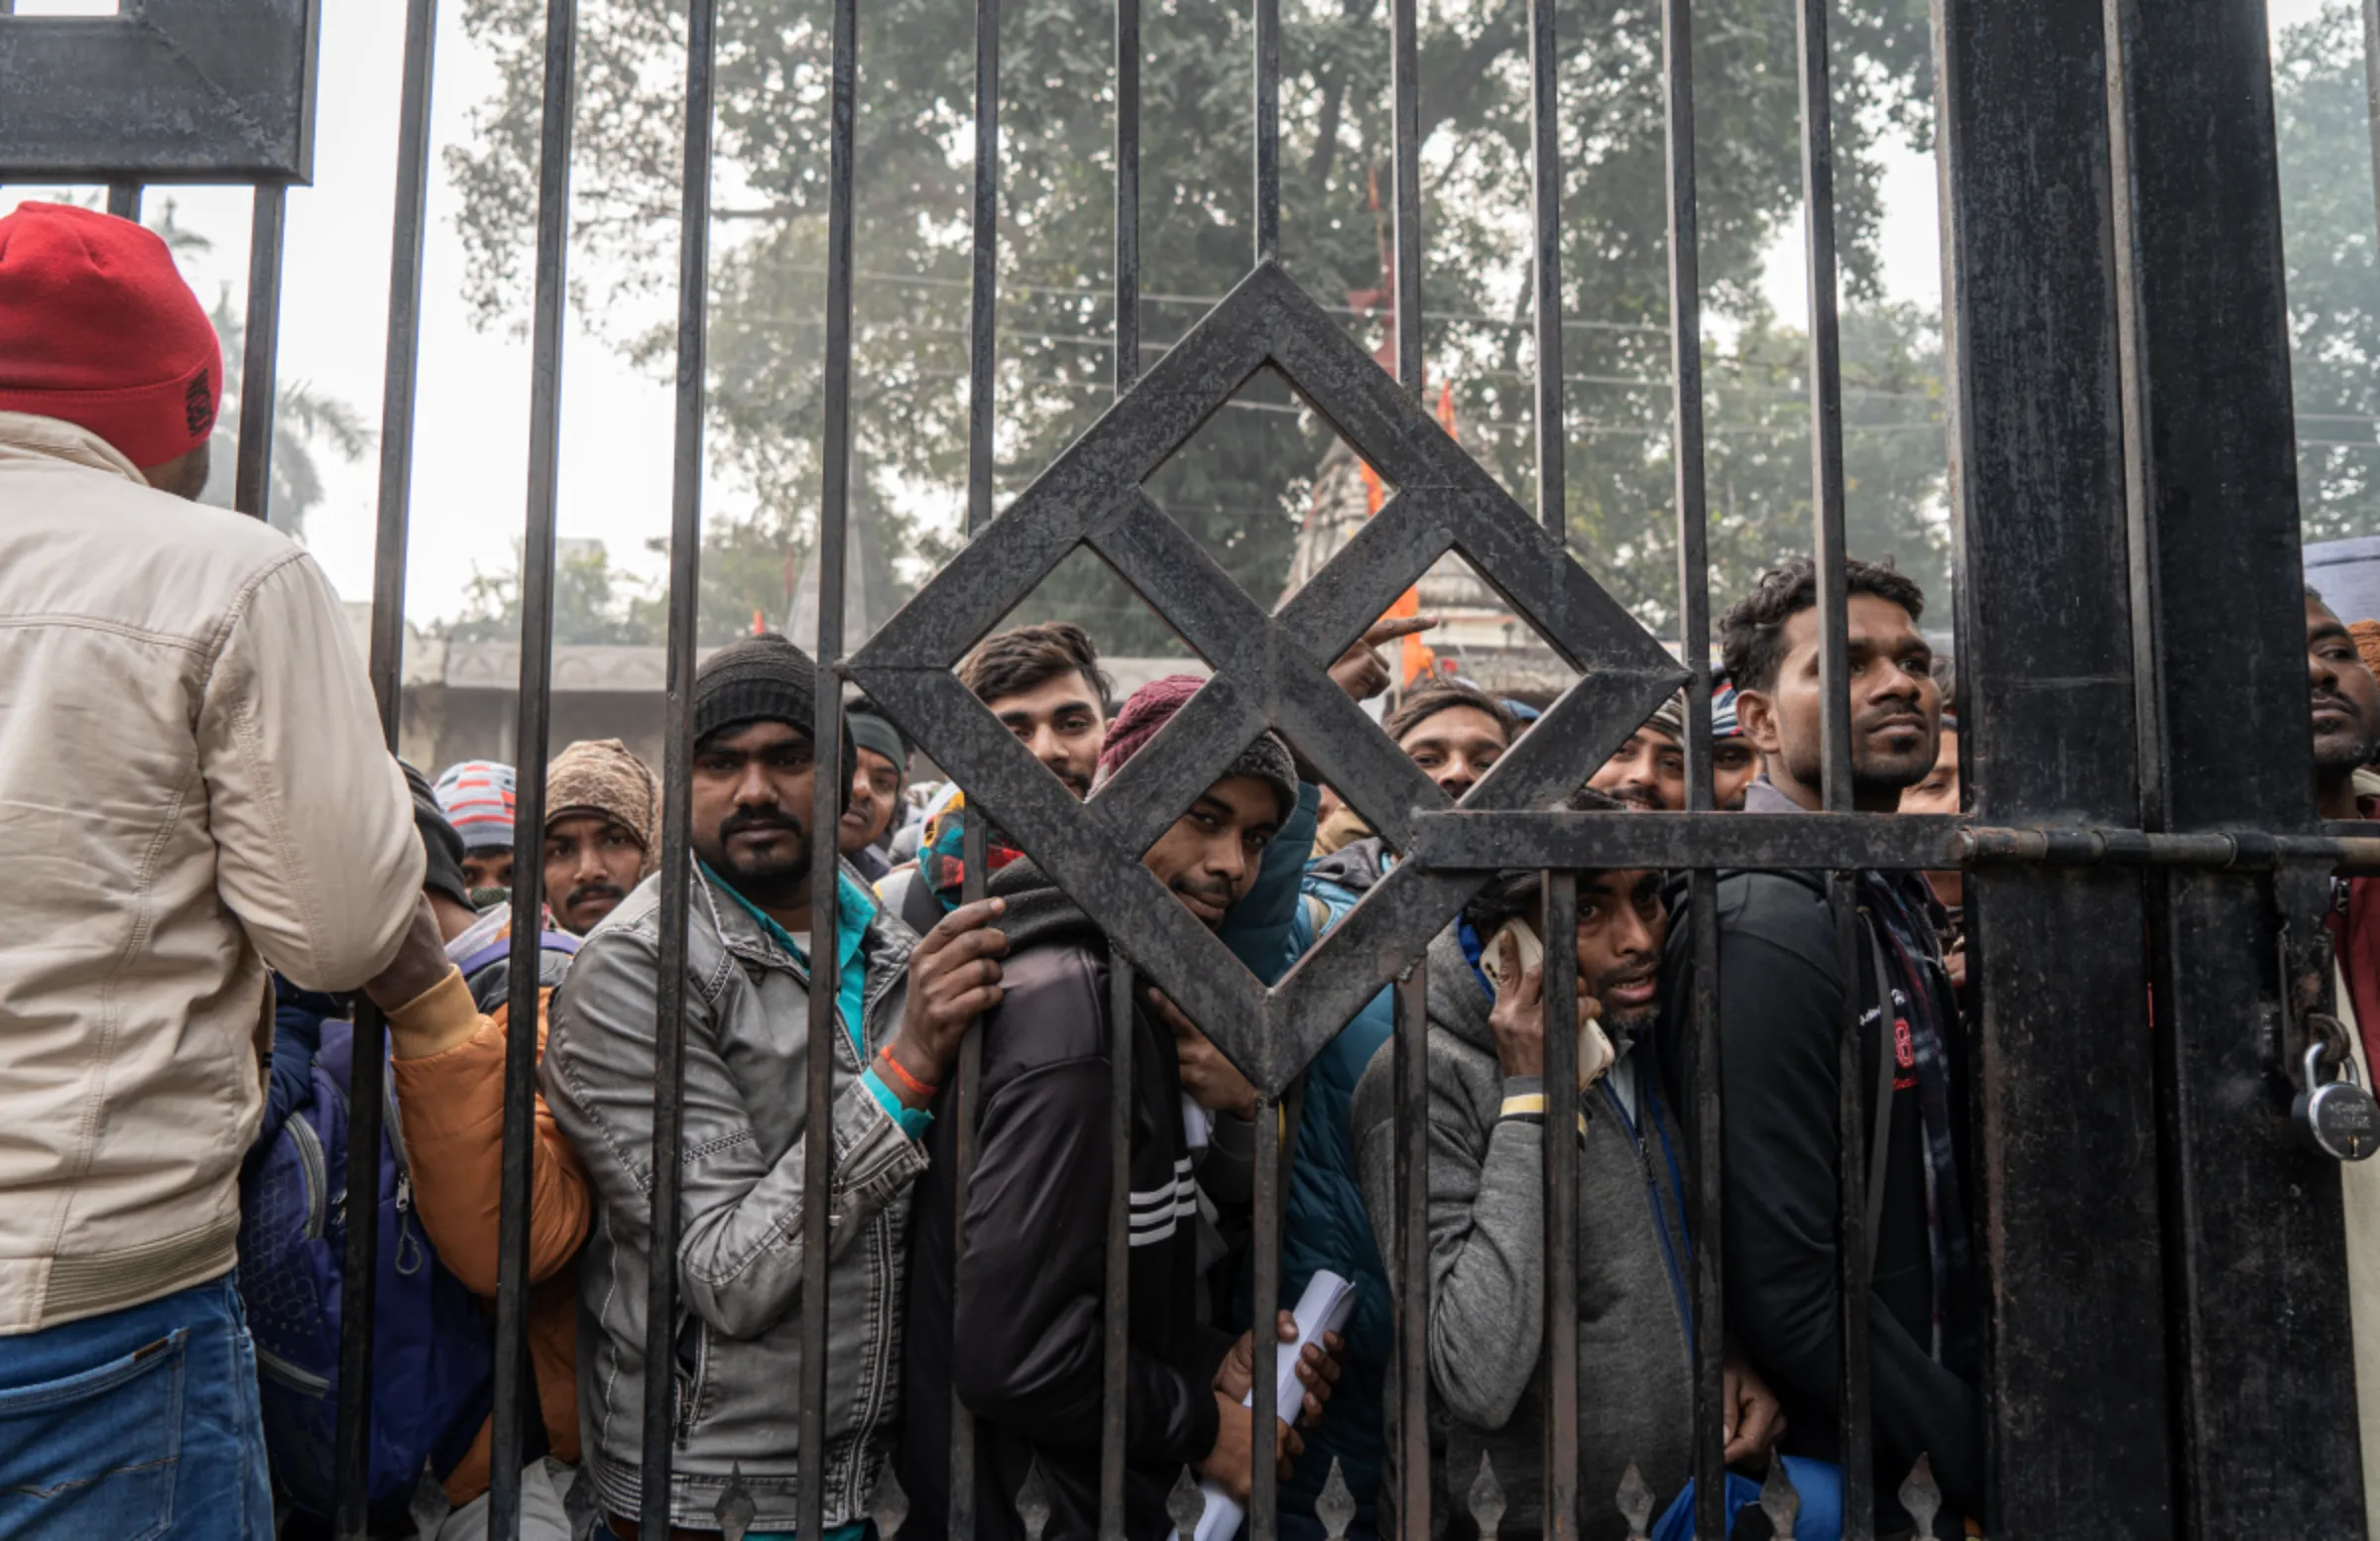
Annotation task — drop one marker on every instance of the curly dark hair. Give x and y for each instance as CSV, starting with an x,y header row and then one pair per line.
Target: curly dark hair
x,y
1513,891
1751,634
1428,701
1018,659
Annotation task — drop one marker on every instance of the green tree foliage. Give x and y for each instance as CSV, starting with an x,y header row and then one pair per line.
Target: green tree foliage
x,y
2327,234
1238,486
593,603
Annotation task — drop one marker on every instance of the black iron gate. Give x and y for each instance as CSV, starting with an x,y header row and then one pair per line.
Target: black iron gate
x,y
2168,1344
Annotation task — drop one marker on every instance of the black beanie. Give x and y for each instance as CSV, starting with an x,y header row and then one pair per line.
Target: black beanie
x,y
443,876
761,678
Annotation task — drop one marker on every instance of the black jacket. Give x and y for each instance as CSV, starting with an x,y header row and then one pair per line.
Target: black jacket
x,y
1022,1342
1781,1000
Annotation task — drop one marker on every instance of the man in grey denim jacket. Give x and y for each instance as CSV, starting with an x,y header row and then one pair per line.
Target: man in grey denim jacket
x,y
738,1259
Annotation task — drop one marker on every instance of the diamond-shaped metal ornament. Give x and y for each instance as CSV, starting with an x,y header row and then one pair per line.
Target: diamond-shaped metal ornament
x,y
889,1503
1780,1501
735,1508
1922,1498
1271,670
1486,1501
1032,1502
1335,1506
1186,1505
1635,1502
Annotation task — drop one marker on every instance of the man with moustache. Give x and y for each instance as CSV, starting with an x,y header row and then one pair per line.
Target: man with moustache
x,y
602,833
1782,1002
1648,772
1486,1118
881,770
1017,1335
902,1007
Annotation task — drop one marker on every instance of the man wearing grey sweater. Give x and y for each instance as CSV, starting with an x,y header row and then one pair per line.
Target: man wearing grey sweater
x,y
1487,1208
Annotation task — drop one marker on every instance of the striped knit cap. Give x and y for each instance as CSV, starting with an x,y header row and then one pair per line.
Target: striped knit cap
x,y
476,796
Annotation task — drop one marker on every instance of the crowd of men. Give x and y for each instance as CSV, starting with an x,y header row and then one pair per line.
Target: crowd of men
x,y
194,783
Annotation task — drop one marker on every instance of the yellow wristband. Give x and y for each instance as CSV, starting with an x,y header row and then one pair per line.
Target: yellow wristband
x,y
1526,1105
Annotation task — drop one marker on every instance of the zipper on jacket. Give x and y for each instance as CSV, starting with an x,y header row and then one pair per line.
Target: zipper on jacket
x,y
315,1173
1652,1201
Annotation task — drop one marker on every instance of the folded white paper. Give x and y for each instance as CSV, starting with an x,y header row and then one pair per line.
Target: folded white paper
x,y
1326,1305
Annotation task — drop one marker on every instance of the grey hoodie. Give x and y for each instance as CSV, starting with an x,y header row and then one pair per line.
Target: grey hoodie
x,y
1487,1307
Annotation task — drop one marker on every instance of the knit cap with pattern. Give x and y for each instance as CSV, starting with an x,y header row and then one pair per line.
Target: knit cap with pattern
x,y
476,796
1152,706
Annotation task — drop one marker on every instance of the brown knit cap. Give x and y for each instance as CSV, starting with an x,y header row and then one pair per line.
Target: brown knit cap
x,y
600,776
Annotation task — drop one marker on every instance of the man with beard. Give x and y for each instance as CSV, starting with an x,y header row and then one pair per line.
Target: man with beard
x,y
1487,1115
1018,1334
603,833
1782,1002
902,1006
2346,735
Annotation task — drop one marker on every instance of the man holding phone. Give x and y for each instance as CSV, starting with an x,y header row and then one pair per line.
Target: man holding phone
x,y
1486,1306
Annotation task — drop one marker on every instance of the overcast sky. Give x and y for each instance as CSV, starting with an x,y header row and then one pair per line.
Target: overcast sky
x,y
470,467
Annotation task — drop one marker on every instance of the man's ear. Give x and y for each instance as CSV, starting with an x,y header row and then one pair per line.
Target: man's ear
x,y
1756,712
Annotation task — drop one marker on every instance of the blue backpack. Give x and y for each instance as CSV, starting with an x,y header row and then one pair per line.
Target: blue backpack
x,y
432,1347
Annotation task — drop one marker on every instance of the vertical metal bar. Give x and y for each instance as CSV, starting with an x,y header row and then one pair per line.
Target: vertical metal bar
x,y
352,1429
2076,1382
2265,1398
677,768
1561,1149
1116,1315
1545,176
1404,77
1269,130
983,315
1825,473
1263,1498
2371,88
1411,1455
1128,193
124,199
1115,1321
1851,1254
252,481
829,785
402,363
982,289
1693,633
515,1393
1826,399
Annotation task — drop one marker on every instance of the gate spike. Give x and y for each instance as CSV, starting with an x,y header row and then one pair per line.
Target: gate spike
x,y
579,1505
1185,1504
1032,1502
1921,1497
1779,1501
1635,1503
1487,1500
889,1505
735,1508
1335,1506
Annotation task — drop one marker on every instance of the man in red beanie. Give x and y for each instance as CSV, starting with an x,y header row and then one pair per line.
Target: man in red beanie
x,y
194,791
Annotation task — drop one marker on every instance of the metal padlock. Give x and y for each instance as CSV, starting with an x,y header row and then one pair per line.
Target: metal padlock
x,y
2340,1118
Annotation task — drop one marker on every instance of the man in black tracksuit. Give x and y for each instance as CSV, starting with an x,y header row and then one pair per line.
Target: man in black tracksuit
x,y
1019,1338
1782,997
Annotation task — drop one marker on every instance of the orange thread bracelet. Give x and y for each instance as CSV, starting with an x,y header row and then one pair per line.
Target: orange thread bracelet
x,y
906,1079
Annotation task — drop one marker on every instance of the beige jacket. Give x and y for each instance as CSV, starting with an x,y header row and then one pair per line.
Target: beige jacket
x,y
192,789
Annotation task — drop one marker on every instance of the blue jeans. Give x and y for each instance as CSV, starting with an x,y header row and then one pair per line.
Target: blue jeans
x,y
139,1424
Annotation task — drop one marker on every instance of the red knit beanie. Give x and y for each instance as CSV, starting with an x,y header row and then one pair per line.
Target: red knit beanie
x,y
98,329
1152,706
